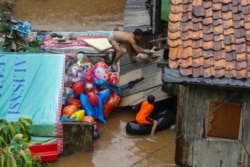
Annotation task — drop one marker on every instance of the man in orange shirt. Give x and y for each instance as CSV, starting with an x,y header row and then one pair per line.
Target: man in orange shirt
x,y
146,109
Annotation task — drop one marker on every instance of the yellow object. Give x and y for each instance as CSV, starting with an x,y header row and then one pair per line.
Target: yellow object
x,y
78,115
100,44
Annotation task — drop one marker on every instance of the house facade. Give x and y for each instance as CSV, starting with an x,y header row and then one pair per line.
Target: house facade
x,y
212,126
209,61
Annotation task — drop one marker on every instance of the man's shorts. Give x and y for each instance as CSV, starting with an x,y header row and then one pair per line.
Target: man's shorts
x,y
150,120
111,39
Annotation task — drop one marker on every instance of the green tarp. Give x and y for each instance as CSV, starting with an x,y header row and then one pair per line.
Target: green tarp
x,y
165,6
31,86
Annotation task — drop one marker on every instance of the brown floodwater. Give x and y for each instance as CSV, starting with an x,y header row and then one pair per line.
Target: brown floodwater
x,y
71,15
118,149
114,147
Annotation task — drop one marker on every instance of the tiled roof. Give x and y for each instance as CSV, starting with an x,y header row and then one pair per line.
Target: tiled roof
x,y
210,38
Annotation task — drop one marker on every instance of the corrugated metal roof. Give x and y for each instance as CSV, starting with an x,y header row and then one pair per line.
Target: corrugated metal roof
x,y
174,76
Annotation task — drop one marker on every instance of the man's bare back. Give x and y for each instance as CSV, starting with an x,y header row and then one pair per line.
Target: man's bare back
x,y
128,39
121,36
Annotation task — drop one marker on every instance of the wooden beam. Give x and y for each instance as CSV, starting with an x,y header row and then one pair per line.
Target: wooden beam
x,y
158,40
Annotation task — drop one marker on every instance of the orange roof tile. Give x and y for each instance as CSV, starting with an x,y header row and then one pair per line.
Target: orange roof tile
x,y
210,38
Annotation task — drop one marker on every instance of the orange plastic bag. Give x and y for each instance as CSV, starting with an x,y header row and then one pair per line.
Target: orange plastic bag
x,y
88,119
69,109
75,102
112,102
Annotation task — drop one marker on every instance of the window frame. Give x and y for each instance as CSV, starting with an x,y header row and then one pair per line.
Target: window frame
x,y
207,121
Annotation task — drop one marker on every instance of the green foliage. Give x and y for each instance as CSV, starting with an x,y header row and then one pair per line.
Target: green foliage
x,y
9,129
33,47
4,27
14,143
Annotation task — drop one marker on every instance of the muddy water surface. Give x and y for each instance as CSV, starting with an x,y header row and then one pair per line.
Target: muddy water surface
x,y
118,149
68,15
114,148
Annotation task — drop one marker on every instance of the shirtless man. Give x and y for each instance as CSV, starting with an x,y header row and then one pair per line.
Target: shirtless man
x,y
127,39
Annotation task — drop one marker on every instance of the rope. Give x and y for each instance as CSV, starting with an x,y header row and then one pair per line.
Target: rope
x,y
155,150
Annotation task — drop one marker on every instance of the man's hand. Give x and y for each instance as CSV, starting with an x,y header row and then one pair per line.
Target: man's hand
x,y
150,57
150,53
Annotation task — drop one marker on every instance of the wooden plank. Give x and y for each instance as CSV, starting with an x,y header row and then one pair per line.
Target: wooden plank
x,y
131,75
136,14
100,44
145,72
139,97
141,18
148,83
158,40
146,68
151,84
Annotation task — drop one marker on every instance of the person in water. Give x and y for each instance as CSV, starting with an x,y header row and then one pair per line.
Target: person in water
x,y
146,108
129,40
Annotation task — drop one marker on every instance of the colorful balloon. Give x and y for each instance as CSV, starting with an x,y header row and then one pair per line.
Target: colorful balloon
x,y
101,64
113,78
89,79
97,111
85,66
68,92
101,84
75,73
93,98
112,102
88,119
101,73
78,88
78,115
75,102
68,110
67,81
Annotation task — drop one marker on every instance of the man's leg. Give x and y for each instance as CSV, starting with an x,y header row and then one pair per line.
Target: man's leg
x,y
129,51
118,55
154,127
